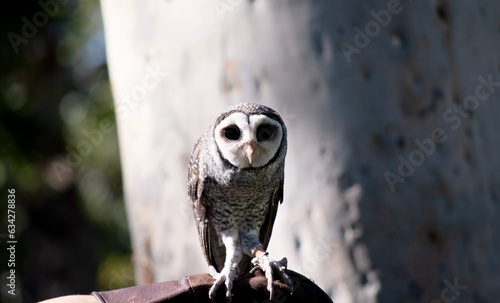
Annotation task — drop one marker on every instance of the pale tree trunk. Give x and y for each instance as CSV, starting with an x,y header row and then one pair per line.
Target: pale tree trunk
x,y
392,186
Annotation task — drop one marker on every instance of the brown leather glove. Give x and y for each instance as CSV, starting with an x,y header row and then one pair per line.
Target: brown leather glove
x,y
194,289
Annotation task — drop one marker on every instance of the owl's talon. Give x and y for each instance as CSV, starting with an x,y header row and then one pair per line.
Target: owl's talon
x,y
226,275
219,280
269,267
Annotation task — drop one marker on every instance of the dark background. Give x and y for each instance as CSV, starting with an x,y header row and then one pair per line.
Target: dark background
x,y
54,92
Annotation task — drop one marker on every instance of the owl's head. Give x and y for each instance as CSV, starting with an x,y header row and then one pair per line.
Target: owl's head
x,y
250,135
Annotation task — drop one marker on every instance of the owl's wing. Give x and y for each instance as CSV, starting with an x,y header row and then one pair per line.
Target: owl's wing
x,y
200,203
267,226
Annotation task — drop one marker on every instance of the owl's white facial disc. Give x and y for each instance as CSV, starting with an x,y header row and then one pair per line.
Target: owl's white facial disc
x,y
248,141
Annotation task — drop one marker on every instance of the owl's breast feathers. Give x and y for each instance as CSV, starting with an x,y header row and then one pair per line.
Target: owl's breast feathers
x,y
240,200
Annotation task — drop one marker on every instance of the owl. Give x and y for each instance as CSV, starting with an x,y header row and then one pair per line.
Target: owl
x,y
235,184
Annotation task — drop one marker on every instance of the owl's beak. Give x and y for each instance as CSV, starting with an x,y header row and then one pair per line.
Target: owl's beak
x,y
249,151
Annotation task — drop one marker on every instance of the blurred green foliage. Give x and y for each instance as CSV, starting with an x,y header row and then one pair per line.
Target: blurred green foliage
x,y
55,98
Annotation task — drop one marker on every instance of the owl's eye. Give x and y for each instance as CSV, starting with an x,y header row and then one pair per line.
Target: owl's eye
x,y
264,132
232,133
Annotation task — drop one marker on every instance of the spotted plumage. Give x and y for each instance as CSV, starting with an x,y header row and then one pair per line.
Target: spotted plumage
x,y
235,185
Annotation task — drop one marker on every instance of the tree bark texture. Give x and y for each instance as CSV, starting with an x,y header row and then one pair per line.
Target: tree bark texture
x,y
392,184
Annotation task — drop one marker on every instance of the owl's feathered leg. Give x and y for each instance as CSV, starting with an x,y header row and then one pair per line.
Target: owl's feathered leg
x,y
252,247
228,273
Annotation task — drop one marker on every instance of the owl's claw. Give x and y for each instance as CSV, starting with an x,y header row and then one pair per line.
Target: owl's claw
x,y
226,275
269,267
